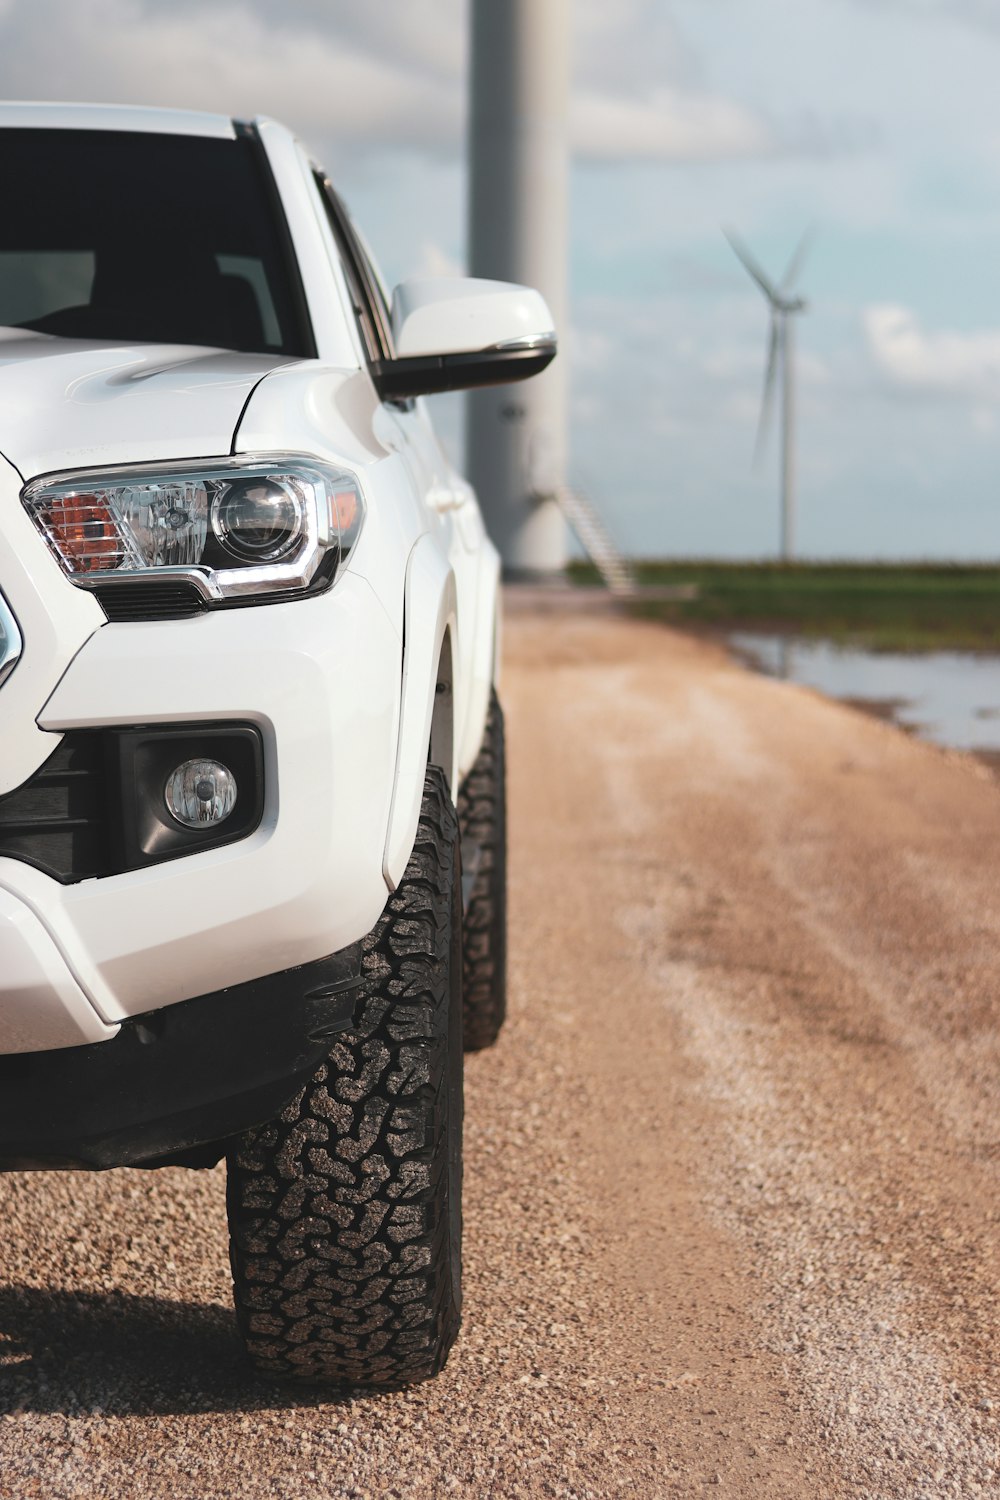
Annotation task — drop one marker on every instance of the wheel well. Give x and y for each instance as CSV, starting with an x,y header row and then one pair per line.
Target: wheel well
x,y
442,742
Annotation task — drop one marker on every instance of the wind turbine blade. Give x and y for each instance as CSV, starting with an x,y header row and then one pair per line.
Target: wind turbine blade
x,y
798,259
767,287
767,403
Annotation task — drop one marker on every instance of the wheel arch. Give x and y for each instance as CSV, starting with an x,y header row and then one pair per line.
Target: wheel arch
x,y
427,728
484,658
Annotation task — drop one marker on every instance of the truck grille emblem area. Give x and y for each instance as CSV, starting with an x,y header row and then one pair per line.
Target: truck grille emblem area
x,y
10,640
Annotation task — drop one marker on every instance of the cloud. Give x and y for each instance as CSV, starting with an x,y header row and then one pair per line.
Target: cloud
x,y
240,59
630,47
643,93
667,125
946,362
362,77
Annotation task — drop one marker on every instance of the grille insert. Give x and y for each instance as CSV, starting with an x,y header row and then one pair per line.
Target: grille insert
x,y
166,600
57,821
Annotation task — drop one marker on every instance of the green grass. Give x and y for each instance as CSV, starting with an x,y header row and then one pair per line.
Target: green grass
x,y
885,607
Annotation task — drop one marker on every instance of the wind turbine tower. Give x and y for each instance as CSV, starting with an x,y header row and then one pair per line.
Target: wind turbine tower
x,y
516,436
784,305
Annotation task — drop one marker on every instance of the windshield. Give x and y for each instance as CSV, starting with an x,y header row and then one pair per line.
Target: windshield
x,y
145,238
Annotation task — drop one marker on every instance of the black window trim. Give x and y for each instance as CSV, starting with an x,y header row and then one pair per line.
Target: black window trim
x,y
369,303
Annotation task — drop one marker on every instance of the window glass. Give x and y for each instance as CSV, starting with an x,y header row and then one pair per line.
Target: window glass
x,y
140,237
33,282
375,277
252,272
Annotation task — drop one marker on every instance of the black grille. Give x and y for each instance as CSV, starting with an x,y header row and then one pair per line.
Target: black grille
x,y
57,821
167,600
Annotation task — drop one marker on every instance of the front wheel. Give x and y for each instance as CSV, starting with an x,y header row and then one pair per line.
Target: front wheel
x,y
482,812
345,1212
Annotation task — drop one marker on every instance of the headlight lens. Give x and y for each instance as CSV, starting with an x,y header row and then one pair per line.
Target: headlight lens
x,y
236,527
258,520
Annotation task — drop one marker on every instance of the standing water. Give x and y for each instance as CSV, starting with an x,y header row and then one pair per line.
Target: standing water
x,y
949,697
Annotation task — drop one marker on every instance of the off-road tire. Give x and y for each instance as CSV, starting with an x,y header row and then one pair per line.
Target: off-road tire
x,y
345,1212
482,814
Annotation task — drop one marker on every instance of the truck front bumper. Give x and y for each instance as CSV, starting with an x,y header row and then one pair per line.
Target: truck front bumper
x,y
173,1085
41,1004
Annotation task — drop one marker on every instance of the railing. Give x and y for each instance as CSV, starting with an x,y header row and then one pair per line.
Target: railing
x,y
596,540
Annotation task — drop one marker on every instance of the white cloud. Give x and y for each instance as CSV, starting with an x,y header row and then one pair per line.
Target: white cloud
x,y
666,125
965,364
631,46
235,59
391,74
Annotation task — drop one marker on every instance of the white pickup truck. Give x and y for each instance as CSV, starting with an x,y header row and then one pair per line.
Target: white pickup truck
x,y
251,754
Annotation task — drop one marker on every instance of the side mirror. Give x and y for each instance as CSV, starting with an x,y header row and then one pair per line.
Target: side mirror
x,y
453,335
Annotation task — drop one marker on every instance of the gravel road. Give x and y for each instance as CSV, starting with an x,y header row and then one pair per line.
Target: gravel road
x,y
731,1172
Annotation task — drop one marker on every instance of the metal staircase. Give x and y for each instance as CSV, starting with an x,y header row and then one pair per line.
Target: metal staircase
x,y
588,524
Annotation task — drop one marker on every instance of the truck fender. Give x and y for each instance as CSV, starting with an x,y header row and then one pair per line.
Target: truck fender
x,y
484,660
426,728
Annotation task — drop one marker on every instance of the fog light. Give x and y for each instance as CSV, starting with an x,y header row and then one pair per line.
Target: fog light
x,y
200,792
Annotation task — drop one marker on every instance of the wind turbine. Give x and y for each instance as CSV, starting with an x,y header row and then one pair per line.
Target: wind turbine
x,y
780,355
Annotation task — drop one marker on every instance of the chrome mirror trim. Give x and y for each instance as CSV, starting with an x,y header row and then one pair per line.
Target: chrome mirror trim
x,y
534,341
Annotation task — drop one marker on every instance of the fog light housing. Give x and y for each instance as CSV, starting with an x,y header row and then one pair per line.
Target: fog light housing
x,y
184,789
200,793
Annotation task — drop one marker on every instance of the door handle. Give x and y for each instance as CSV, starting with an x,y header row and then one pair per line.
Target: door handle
x,y
442,498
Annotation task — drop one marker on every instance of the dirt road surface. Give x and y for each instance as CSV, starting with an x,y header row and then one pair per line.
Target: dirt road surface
x,y
731,1172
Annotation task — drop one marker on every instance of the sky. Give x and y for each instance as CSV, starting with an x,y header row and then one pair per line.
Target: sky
x,y
873,123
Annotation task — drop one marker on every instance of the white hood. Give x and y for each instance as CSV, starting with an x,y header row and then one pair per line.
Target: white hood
x,y
74,404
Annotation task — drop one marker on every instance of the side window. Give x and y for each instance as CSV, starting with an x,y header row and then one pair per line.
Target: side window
x,y
370,305
374,278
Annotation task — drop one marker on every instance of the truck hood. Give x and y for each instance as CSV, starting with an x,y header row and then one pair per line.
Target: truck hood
x,y
74,404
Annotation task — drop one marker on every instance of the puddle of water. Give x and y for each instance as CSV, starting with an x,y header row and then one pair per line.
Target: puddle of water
x,y
949,697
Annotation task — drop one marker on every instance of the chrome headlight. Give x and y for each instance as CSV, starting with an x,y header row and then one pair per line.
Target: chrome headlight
x,y
233,528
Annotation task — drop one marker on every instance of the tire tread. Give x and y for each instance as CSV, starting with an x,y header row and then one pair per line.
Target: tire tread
x,y
343,1241
482,817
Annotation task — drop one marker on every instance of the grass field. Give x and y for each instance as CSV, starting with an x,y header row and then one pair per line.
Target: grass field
x,y
881,606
